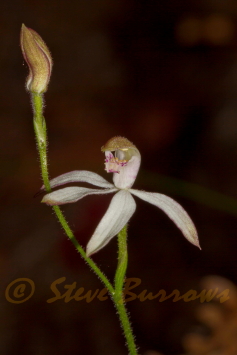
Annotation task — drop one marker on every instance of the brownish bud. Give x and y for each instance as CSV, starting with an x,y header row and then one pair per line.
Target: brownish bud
x,y
38,58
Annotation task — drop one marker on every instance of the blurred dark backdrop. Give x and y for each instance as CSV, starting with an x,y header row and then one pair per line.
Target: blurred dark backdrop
x,y
164,75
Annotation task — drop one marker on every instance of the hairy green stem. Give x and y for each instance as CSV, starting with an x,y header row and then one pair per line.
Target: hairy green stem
x,y
115,293
79,248
122,261
119,284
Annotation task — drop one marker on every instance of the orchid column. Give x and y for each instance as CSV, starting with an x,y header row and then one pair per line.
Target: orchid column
x,y
39,61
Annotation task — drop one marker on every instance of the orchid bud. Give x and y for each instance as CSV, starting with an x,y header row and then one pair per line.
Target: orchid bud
x,y
125,162
38,58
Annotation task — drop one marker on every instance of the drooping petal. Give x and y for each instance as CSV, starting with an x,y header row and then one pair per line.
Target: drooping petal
x,y
72,194
175,212
120,210
80,176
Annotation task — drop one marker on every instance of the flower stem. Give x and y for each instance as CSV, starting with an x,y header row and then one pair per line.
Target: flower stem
x,y
119,284
79,248
122,261
115,293
41,138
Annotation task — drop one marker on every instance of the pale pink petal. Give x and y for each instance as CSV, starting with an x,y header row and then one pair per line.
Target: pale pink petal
x,y
80,176
120,210
175,212
72,194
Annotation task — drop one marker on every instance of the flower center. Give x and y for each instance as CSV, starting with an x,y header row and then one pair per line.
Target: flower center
x,y
114,164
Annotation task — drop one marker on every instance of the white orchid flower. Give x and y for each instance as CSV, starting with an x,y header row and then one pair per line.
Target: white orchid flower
x,y
124,165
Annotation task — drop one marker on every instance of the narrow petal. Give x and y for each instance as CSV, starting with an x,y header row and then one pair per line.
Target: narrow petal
x,y
72,194
120,210
80,176
175,212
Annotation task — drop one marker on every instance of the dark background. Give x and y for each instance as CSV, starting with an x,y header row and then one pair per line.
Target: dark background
x,y
164,75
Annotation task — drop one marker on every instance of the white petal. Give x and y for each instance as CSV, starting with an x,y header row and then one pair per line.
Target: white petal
x,y
72,194
80,176
121,209
175,212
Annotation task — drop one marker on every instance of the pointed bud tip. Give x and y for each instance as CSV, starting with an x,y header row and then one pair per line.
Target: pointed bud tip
x,y
116,143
